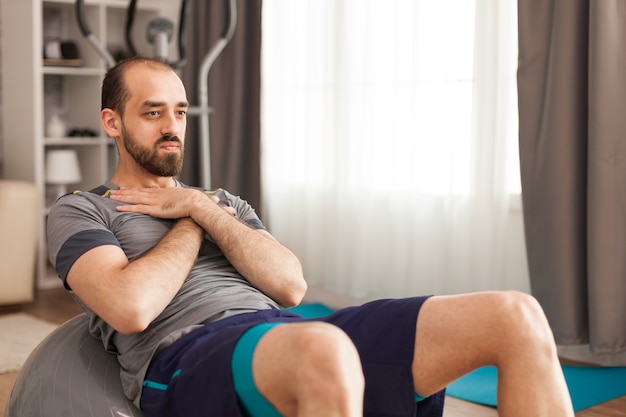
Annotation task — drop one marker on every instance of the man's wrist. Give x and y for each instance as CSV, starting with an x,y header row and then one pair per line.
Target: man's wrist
x,y
188,222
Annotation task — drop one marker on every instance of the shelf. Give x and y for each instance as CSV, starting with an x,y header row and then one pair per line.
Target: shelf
x,y
67,70
49,62
78,141
39,88
107,3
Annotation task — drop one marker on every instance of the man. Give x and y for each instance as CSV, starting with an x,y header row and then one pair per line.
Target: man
x,y
186,287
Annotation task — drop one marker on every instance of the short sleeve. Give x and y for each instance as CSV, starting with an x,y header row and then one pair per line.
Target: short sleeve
x,y
74,227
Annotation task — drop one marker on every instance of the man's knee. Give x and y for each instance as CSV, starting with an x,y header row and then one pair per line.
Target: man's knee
x,y
328,359
308,361
523,321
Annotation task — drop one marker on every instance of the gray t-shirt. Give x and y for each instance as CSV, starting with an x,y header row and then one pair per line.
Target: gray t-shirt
x,y
213,290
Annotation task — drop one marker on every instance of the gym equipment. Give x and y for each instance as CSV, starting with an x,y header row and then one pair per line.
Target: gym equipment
x,y
70,374
160,32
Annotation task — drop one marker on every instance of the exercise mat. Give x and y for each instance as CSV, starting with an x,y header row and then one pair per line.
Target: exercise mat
x,y
588,386
312,310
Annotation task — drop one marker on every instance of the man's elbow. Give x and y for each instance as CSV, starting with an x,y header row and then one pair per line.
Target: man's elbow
x,y
131,321
294,294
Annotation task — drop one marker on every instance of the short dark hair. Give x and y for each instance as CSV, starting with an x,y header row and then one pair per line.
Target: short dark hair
x,y
115,93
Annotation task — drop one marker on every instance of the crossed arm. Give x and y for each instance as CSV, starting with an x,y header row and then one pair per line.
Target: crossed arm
x,y
129,295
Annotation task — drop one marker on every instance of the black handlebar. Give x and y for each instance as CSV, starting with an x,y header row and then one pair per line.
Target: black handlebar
x,y
83,25
182,39
130,19
81,17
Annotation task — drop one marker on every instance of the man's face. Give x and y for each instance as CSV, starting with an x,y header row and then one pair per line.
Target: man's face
x,y
154,121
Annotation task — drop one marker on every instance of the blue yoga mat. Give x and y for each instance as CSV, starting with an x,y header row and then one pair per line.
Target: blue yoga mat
x,y
312,310
588,386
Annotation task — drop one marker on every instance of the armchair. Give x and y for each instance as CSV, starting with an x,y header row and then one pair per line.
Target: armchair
x,y
19,230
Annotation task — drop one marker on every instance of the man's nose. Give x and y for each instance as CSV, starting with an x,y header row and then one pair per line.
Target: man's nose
x,y
173,125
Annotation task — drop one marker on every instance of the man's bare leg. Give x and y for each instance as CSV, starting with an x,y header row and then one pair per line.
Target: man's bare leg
x,y
458,334
309,370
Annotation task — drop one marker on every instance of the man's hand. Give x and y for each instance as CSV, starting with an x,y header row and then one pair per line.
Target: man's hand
x,y
165,203
259,258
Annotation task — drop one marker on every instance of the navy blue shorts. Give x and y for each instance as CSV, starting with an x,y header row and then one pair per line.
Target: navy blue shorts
x,y
193,376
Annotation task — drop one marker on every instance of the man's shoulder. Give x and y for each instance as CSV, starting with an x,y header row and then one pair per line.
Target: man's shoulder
x,y
84,200
101,190
204,190
218,192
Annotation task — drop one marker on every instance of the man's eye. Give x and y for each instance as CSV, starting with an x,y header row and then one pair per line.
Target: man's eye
x,y
152,113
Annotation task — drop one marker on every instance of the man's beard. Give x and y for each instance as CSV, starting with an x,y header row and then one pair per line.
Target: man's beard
x,y
150,160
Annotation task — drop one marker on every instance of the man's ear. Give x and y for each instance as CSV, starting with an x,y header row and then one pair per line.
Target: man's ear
x,y
110,122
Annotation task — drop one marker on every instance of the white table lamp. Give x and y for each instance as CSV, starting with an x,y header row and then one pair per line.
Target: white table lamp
x,y
62,168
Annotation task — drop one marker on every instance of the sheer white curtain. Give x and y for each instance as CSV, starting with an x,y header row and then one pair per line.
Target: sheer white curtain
x,y
389,144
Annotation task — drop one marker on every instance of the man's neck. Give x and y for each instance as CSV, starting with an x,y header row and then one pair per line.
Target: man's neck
x,y
146,181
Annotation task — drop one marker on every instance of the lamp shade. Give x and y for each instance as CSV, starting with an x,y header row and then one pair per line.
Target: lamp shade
x,y
62,167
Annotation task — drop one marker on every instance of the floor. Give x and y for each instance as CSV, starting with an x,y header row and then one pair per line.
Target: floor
x,y
56,305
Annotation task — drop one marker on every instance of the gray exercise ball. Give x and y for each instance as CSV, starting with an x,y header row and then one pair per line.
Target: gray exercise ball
x,y
69,374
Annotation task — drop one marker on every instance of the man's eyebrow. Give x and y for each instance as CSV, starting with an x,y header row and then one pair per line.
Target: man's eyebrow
x,y
151,104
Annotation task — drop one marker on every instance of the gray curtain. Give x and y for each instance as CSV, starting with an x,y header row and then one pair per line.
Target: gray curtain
x,y
572,114
234,93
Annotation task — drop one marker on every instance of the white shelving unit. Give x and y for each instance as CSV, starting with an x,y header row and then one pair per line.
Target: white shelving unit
x,y
33,91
